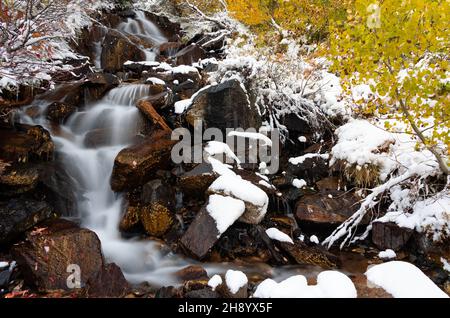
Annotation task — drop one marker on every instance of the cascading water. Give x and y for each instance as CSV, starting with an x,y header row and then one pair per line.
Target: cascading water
x,y
141,27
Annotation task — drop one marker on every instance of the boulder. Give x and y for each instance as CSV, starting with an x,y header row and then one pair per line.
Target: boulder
x,y
130,220
58,112
388,235
327,208
108,282
151,114
192,272
97,84
195,182
117,49
135,165
17,215
302,254
158,191
156,219
18,180
201,235
190,54
25,143
51,252
222,106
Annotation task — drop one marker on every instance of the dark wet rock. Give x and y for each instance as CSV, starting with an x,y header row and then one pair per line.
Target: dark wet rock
x,y
130,221
108,282
47,252
69,93
201,235
223,106
169,49
135,165
156,219
58,112
20,214
18,180
168,292
327,208
192,272
304,254
310,170
190,54
389,235
202,293
158,191
25,143
117,49
97,84
196,182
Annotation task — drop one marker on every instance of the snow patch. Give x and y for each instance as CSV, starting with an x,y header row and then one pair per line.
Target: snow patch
x,y
235,280
215,281
276,234
225,211
387,254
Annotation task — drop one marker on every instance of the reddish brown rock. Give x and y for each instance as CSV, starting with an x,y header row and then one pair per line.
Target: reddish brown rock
x,y
130,220
328,208
196,182
135,165
389,235
149,111
44,258
192,272
109,282
201,235
18,180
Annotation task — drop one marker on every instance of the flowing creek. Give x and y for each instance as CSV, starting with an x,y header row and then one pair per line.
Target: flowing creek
x,y
100,209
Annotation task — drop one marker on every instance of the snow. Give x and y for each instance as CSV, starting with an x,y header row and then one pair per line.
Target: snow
x,y
3,264
359,142
446,265
302,139
184,69
276,234
314,239
301,238
330,284
430,216
252,135
299,183
403,280
235,280
387,254
155,81
217,147
215,281
225,211
243,190
266,184
301,159
183,105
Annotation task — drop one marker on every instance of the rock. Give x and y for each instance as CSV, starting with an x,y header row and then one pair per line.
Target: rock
x,y
72,93
135,165
33,112
18,180
117,49
201,235
330,184
160,100
312,255
192,272
5,278
328,208
225,291
108,282
58,112
158,191
26,143
169,49
389,235
202,293
20,214
99,137
149,111
156,219
130,220
168,292
366,289
223,106
190,54
310,170
196,182
48,251
98,84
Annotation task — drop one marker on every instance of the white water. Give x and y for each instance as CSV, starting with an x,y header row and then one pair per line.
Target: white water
x,y
140,27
